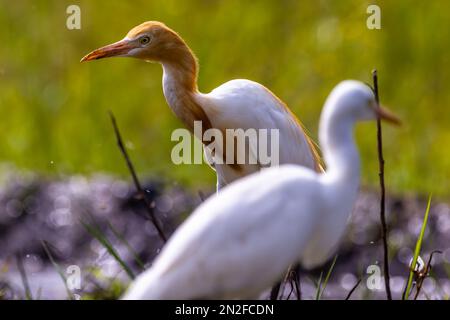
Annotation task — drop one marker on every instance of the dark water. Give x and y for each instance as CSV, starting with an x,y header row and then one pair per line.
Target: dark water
x,y
34,209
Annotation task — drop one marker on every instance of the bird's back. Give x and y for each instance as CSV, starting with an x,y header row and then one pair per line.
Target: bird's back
x,y
246,105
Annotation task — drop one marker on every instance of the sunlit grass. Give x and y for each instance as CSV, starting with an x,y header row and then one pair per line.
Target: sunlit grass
x,y
321,286
417,252
95,232
54,109
57,268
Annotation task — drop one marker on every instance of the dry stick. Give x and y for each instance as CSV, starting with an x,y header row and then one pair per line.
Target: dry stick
x,y
383,190
294,281
275,291
293,277
353,289
284,284
140,191
425,273
290,292
297,283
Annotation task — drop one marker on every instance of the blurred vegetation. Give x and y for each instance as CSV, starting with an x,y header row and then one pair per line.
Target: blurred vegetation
x,y
54,109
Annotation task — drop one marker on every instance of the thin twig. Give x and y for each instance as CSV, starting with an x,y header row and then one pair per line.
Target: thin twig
x,y
383,191
283,286
275,291
140,191
425,274
290,292
296,280
23,276
413,285
353,289
293,278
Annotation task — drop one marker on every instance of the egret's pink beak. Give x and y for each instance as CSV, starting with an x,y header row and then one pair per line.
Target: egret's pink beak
x,y
387,115
116,49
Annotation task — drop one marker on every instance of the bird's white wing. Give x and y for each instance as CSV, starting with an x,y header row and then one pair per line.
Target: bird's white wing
x,y
244,104
234,245
247,105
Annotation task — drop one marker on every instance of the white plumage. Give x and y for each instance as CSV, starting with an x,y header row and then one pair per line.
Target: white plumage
x,y
237,104
240,241
246,105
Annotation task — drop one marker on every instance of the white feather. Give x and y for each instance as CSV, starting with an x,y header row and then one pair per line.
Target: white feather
x,y
246,105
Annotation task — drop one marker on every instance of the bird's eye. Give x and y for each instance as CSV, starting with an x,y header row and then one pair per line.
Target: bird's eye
x,y
144,40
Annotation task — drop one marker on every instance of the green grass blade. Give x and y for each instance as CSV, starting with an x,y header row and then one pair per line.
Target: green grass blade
x,y
319,286
97,234
57,268
127,244
325,282
417,252
24,278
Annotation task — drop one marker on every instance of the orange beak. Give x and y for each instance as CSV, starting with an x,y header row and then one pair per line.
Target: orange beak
x,y
116,49
387,115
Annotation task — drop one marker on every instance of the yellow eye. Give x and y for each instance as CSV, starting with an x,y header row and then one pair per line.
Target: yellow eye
x,y
144,40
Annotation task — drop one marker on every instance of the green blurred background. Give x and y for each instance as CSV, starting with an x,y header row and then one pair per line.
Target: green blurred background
x,y
53,109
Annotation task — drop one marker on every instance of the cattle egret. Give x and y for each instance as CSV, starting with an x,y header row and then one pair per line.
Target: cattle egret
x,y
237,104
240,241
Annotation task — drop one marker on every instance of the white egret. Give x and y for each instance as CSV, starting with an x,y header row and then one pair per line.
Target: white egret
x,y
241,241
237,104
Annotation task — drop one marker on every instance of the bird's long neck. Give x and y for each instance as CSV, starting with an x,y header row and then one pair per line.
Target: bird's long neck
x,y
180,87
339,149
